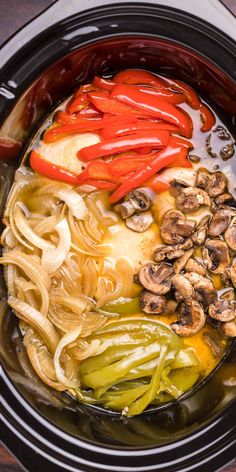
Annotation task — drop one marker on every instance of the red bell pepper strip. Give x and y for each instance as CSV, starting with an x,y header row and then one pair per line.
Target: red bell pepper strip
x,y
122,129
179,140
89,112
123,166
80,102
104,84
163,158
52,171
157,183
98,170
154,139
173,97
84,89
207,117
114,107
138,76
181,160
82,126
9,148
100,184
192,98
154,106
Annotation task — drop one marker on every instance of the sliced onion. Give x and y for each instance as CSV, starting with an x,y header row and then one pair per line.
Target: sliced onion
x,y
65,341
25,229
34,271
46,225
32,316
8,238
53,259
41,360
74,201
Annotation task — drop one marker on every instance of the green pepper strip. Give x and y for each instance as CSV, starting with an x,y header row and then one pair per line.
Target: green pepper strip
x,y
140,325
183,380
129,396
123,306
110,355
139,405
185,358
118,370
147,369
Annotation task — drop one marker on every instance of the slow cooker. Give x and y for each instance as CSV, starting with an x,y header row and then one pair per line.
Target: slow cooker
x,y
42,64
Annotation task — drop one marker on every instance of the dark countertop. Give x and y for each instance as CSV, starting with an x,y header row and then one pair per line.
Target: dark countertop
x,y
13,15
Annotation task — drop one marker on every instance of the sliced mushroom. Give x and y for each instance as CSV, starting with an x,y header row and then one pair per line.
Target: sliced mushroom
x,y
228,329
228,295
182,285
193,277
191,318
156,277
200,235
232,273
167,228
170,252
185,227
171,307
186,244
166,252
220,223
226,278
191,199
140,199
202,178
180,264
230,237
212,341
226,200
222,310
204,291
193,265
216,255
216,185
152,303
175,228
140,222
125,209
176,186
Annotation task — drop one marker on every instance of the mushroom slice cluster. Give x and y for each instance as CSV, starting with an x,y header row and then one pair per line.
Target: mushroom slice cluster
x,y
186,286
191,318
135,210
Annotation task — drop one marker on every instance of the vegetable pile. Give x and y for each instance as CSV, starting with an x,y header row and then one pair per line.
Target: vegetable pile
x,y
141,127
144,363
